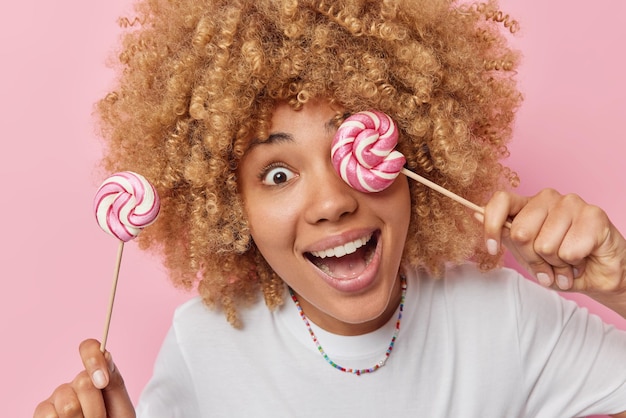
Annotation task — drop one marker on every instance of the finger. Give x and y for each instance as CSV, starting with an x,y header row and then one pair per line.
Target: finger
x,y
497,212
116,397
571,232
548,245
596,243
95,363
66,403
521,241
564,229
589,230
537,234
106,376
45,409
89,396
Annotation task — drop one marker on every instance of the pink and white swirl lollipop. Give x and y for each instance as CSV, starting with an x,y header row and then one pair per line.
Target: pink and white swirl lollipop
x,y
124,204
363,154
363,151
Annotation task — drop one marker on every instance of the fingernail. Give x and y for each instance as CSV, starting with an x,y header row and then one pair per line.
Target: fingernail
x,y
99,380
492,246
575,271
544,279
109,359
562,281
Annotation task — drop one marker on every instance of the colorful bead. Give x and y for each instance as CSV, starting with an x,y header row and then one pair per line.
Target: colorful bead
x,y
358,372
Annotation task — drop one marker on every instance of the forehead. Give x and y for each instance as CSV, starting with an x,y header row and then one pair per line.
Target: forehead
x,y
289,124
314,113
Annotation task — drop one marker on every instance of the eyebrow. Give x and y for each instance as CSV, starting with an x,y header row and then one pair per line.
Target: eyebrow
x,y
272,139
279,137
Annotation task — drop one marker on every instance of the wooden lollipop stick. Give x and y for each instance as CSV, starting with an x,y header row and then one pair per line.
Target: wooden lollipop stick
x,y
116,273
447,192
125,203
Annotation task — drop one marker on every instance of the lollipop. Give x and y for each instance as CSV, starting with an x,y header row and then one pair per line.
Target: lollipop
x,y
124,204
363,151
363,154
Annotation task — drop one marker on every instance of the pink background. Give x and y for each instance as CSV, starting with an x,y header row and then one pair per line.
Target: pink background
x,y
57,264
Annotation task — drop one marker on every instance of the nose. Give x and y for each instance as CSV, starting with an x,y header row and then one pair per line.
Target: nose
x,y
330,198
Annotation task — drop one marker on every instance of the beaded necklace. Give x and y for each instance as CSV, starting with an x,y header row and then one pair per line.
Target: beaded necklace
x,y
358,372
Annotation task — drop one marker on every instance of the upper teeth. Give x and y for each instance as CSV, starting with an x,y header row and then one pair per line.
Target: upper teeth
x,y
340,251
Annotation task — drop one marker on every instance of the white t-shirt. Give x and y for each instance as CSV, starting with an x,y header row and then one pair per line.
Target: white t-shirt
x,y
470,345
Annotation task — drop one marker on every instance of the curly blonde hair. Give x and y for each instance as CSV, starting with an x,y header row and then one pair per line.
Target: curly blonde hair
x,y
199,79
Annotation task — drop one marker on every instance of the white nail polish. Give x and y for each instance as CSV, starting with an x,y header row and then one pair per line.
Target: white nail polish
x,y
99,380
562,282
544,279
492,246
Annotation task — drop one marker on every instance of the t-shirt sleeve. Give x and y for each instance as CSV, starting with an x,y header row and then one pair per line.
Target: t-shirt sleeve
x,y
170,392
573,363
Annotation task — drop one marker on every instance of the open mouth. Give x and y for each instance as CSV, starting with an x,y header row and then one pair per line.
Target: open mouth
x,y
346,261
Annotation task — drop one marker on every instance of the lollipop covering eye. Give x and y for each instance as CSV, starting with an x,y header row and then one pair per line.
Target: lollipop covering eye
x,y
124,204
363,151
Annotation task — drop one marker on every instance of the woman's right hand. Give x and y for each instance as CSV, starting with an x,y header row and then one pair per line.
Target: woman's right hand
x,y
98,391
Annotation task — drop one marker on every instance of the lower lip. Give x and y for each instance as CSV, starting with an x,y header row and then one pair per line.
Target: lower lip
x,y
359,283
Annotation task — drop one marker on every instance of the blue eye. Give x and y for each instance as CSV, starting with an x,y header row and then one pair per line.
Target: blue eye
x,y
277,175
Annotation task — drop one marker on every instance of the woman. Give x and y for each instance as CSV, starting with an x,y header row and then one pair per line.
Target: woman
x,y
230,109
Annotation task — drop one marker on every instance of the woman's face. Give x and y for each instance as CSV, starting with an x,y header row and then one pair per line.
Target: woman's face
x,y
338,249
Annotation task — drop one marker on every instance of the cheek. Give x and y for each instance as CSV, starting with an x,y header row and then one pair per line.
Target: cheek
x,y
397,203
398,213
273,231
271,223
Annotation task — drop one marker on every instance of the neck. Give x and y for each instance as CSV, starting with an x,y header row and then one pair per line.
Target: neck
x,y
331,324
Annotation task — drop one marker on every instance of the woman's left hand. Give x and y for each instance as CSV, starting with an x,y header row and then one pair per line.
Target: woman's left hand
x,y
564,242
